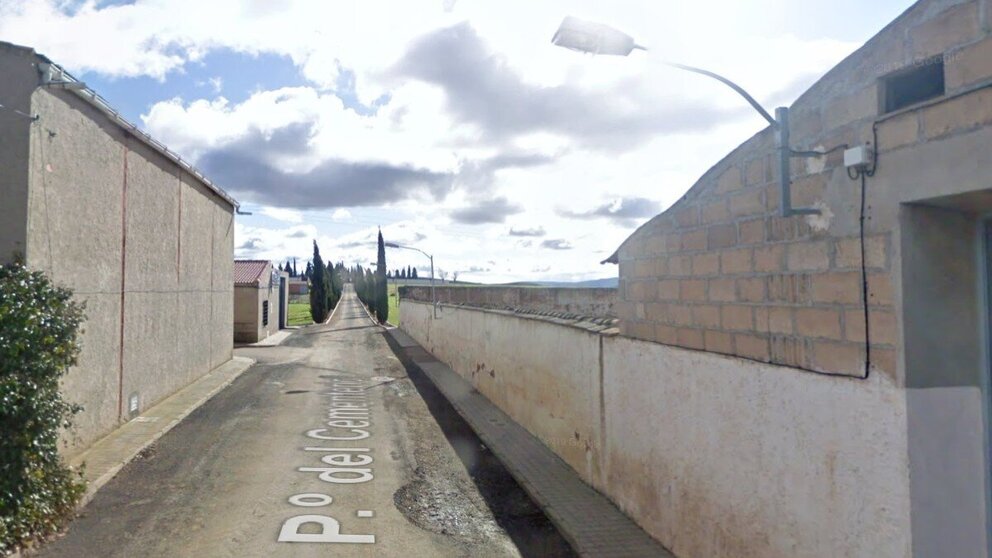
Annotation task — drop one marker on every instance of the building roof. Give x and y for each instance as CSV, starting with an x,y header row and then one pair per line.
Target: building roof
x,y
54,75
248,273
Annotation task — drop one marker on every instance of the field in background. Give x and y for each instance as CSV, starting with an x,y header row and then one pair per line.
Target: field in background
x,y
394,303
299,314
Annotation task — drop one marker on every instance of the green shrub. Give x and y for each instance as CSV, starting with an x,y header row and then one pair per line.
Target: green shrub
x,y
39,327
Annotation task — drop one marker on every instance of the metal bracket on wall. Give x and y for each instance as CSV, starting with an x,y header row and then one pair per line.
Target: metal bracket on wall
x,y
785,155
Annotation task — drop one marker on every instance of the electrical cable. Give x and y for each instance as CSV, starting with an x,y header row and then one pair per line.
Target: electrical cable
x,y
818,153
864,276
874,150
863,174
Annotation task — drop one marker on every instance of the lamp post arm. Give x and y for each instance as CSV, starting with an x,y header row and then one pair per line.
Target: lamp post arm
x,y
431,258
392,245
779,122
747,96
433,293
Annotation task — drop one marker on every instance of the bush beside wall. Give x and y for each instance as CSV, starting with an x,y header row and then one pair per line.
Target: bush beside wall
x,y
39,328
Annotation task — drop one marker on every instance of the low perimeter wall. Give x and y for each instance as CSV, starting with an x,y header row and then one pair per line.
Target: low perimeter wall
x,y
713,455
579,301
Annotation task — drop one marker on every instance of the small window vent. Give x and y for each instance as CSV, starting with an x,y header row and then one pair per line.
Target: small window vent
x,y
922,82
265,313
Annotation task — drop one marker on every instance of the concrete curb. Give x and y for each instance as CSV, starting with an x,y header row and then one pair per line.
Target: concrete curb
x,y
105,458
273,340
331,315
367,313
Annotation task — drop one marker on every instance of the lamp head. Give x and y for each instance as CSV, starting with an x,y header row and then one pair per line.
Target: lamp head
x,y
593,38
390,245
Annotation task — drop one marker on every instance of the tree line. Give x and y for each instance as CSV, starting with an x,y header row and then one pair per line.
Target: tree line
x,y
409,273
327,283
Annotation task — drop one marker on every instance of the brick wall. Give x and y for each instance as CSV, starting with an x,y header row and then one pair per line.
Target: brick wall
x,y
720,271
597,302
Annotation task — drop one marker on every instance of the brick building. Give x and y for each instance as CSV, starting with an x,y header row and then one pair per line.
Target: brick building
x,y
883,294
261,298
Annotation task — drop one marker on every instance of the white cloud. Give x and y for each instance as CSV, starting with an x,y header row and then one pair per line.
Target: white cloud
x,y
283,214
419,128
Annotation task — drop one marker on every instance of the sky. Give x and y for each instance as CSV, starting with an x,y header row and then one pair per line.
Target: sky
x,y
454,125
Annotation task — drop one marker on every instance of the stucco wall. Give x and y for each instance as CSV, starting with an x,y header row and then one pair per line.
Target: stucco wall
x,y
597,302
15,90
246,314
124,227
719,456
544,375
715,456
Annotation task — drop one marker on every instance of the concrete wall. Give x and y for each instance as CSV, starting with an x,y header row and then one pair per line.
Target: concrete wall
x,y
543,374
719,456
715,456
583,302
140,241
16,65
944,302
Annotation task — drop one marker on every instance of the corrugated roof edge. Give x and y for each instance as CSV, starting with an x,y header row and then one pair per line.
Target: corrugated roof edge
x,y
101,104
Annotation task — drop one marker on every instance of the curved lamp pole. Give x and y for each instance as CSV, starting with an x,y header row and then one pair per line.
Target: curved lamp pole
x,y
402,247
596,38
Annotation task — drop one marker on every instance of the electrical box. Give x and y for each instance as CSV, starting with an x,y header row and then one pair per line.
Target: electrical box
x,y
132,405
858,157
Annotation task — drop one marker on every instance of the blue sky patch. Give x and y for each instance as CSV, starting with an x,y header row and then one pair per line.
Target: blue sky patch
x,y
240,76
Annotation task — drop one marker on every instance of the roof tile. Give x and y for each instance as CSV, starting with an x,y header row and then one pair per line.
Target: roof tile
x,y
249,272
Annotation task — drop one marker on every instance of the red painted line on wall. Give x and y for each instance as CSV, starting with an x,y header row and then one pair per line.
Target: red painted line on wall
x,y
120,368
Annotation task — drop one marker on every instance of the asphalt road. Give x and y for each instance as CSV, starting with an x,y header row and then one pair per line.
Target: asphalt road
x,y
324,448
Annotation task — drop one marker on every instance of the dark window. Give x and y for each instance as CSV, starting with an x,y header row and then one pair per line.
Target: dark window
x,y
265,312
922,82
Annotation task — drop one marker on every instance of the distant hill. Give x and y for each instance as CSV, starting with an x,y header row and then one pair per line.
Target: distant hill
x,y
606,283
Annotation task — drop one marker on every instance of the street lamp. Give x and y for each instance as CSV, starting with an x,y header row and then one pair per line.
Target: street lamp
x,y
596,38
429,256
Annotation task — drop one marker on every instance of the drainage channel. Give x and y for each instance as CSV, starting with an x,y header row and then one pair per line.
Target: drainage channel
x,y
522,519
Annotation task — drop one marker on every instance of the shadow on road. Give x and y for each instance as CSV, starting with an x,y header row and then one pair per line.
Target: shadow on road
x,y
532,532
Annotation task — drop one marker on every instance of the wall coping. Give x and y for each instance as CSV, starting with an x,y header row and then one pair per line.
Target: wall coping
x,y
600,326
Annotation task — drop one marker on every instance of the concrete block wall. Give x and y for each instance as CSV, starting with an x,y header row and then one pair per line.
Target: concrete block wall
x,y
594,302
720,271
144,244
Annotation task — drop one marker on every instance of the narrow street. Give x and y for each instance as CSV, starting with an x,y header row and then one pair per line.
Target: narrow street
x,y
324,448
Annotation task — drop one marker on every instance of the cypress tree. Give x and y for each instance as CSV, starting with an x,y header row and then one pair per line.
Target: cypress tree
x,y
381,295
338,278
318,287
